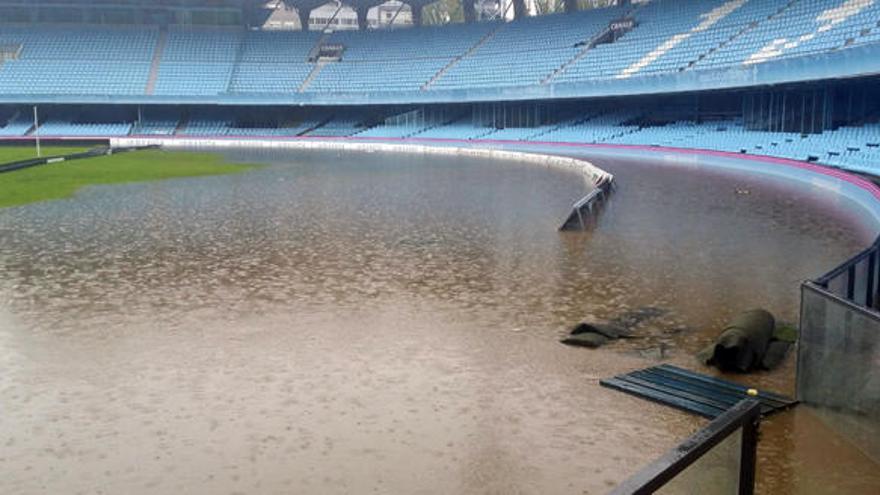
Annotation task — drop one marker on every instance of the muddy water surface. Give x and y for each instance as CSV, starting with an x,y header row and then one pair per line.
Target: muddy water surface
x,y
344,323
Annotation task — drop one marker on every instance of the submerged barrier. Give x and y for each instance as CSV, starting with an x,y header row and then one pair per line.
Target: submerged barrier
x,y
597,180
33,162
92,153
584,212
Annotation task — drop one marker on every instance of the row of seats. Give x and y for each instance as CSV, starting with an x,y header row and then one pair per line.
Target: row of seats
x,y
804,27
527,52
69,128
853,147
156,127
338,127
16,125
72,61
670,36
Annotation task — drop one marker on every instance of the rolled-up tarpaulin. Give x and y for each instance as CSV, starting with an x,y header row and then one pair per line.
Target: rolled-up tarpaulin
x,y
744,341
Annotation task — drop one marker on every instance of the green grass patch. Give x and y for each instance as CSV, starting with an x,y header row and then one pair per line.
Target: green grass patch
x,y
786,333
62,180
10,154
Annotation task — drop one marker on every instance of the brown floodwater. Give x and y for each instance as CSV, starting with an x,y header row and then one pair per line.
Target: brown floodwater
x,y
369,323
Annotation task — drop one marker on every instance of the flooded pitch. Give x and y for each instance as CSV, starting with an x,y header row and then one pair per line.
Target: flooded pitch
x,y
366,323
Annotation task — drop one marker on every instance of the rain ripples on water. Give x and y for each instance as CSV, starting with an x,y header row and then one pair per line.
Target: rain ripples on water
x,y
337,323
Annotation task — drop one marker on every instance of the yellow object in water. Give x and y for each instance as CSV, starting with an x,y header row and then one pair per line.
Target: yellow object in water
x,y
753,392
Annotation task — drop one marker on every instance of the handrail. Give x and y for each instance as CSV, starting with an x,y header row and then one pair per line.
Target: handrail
x,y
858,284
583,210
843,267
745,415
850,305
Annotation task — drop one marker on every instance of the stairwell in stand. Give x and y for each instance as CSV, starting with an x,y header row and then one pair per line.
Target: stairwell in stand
x,y
751,27
239,56
573,60
181,125
452,63
312,75
592,43
157,61
709,19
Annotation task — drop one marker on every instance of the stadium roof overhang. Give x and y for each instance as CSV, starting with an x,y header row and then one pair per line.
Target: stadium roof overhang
x,y
229,12
199,4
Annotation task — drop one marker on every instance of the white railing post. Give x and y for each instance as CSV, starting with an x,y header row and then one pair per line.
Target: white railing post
x,y
37,132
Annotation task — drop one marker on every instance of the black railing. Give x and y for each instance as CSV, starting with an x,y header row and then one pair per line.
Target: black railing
x,y
857,279
839,348
742,418
99,151
584,211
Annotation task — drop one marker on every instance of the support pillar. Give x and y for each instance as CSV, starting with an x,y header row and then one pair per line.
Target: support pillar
x,y
304,15
470,12
571,6
362,11
416,14
519,9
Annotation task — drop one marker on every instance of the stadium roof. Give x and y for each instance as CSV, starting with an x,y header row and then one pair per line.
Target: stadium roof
x,y
221,12
198,3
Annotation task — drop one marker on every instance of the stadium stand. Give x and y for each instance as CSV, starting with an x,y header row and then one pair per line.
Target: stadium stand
x,y
76,60
16,124
206,127
68,128
668,37
155,127
272,62
198,62
541,44
801,28
395,60
855,148
342,127
611,45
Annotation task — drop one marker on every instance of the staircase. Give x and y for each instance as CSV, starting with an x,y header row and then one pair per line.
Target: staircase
x,y
630,14
739,33
709,19
563,124
181,125
442,124
239,55
581,54
157,61
482,41
312,75
485,134
315,127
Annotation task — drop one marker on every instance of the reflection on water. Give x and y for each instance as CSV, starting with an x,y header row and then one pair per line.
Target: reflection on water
x,y
352,323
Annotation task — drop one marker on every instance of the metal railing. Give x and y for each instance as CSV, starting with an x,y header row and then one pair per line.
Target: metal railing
x,y
99,151
740,423
583,212
839,348
856,279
